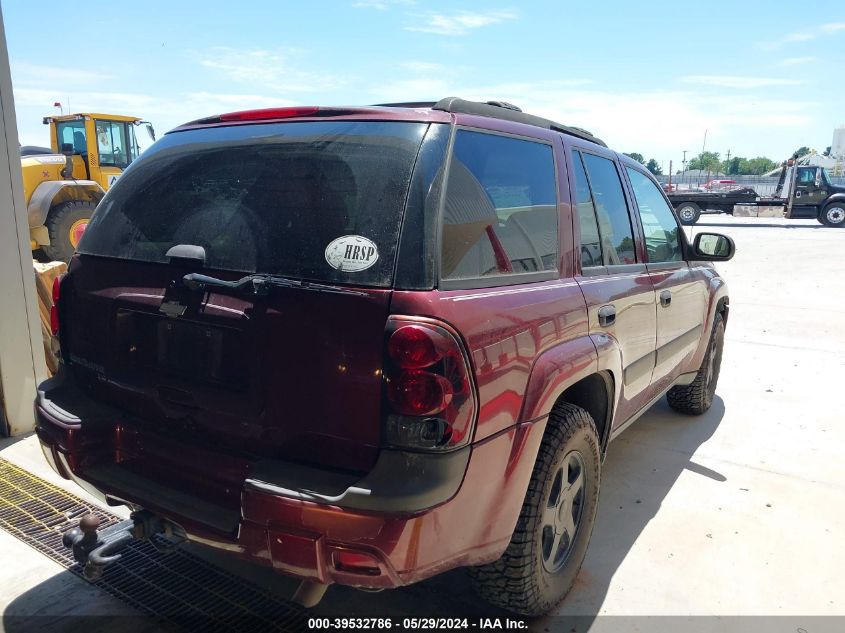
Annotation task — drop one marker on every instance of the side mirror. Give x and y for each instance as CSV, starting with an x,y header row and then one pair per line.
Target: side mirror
x,y
151,131
713,247
818,177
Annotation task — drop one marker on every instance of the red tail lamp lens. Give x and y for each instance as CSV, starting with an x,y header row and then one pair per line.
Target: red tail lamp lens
x,y
54,309
415,392
413,347
270,113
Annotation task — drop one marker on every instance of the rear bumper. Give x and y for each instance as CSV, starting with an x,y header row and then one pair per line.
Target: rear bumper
x,y
414,515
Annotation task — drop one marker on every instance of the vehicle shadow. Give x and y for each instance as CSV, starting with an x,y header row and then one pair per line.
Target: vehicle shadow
x,y
64,603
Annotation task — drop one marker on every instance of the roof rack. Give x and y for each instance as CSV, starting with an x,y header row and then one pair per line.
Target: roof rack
x,y
407,104
509,112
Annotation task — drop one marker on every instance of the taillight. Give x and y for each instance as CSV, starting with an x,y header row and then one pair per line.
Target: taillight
x,y
416,392
54,309
429,401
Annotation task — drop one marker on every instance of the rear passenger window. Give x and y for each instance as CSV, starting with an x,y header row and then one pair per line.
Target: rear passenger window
x,y
614,222
590,240
500,214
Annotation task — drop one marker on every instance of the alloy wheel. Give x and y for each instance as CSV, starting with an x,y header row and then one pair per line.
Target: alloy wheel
x,y
562,511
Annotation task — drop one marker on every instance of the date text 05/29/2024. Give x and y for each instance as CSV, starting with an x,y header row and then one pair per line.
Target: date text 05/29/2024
x,y
414,624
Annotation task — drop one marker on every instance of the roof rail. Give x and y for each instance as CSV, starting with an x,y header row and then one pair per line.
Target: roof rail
x,y
406,104
509,112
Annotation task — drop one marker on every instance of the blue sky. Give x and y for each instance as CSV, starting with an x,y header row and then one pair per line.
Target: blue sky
x,y
762,77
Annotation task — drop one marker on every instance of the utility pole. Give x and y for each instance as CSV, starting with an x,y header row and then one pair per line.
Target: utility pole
x,y
728,162
684,164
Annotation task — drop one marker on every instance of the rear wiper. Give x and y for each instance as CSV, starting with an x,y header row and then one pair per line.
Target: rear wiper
x,y
258,284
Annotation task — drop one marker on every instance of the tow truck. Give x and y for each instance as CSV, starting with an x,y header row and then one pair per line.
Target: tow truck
x,y
803,191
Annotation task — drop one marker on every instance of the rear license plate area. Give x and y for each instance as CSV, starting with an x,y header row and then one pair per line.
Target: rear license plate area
x,y
190,351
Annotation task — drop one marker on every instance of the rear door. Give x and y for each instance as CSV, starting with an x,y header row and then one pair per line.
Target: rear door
x,y
681,295
616,285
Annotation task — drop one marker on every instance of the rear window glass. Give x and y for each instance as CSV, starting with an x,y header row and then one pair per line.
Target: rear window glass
x,y
268,198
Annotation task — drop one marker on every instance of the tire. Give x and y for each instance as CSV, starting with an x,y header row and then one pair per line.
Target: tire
x,y
528,579
697,397
65,224
833,214
688,213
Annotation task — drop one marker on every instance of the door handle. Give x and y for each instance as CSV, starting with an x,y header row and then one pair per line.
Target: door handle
x,y
607,315
665,298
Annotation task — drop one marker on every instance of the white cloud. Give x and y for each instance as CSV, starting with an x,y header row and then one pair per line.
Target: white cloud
x,y
795,61
734,81
460,23
272,70
27,74
831,28
658,123
165,112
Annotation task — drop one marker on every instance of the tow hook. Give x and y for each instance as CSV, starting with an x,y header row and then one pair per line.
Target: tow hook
x,y
96,549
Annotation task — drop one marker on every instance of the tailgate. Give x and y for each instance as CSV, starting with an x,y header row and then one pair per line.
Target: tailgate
x,y
294,375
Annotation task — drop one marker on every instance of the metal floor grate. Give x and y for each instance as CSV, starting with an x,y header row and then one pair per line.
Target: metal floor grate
x,y
178,588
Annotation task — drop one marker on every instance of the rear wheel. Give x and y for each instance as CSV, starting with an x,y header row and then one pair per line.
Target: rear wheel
x,y
66,223
697,397
553,531
833,214
689,212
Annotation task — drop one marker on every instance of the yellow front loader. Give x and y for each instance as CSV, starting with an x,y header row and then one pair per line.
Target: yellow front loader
x,y
62,185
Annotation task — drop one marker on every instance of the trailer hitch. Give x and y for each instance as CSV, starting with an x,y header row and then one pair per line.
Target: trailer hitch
x,y
96,549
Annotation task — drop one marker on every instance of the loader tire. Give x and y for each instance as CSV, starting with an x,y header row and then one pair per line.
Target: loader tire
x,y
65,224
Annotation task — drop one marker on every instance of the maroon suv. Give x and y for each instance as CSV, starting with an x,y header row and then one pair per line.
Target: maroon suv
x,y
369,345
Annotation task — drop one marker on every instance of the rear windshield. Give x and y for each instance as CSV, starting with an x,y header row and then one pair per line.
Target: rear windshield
x,y
310,200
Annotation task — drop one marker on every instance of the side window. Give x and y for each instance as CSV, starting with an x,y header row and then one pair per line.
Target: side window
x,y
659,225
111,143
590,240
500,214
73,133
612,210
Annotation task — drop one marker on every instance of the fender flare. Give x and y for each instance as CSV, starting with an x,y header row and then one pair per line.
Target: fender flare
x,y
835,198
554,370
562,366
718,292
44,195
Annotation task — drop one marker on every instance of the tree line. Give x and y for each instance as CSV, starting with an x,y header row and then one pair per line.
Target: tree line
x,y
736,165
713,162
652,165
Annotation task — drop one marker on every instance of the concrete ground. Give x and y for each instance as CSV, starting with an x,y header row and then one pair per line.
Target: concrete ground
x,y
738,512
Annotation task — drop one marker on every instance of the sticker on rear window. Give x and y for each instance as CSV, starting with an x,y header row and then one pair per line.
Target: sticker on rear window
x,y
351,253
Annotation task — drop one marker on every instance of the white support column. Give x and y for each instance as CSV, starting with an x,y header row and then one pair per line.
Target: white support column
x,y
22,363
